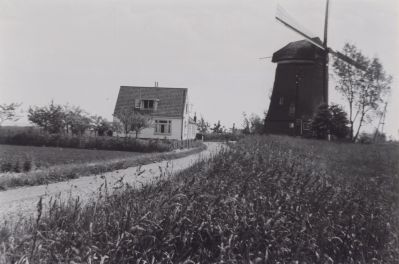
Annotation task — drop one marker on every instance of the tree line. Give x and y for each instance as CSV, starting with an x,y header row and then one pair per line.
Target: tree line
x,y
60,119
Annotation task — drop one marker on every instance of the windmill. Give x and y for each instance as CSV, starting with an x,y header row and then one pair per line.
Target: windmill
x,y
301,82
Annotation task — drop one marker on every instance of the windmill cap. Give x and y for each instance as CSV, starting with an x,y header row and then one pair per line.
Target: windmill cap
x,y
301,50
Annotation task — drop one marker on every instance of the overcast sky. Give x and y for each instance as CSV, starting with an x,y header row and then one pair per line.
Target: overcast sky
x,y
80,51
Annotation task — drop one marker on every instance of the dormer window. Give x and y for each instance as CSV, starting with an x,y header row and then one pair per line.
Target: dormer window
x,y
147,104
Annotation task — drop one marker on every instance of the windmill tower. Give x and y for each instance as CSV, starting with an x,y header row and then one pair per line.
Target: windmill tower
x,y
301,81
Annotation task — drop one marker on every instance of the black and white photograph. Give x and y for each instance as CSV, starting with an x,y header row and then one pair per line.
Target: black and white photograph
x,y
211,131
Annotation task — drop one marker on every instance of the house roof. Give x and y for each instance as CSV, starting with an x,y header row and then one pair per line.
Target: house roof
x,y
299,50
171,101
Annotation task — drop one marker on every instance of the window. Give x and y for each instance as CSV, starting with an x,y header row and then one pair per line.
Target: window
x,y
147,104
163,126
281,101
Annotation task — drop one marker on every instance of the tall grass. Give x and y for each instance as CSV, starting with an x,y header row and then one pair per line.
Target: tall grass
x,y
263,200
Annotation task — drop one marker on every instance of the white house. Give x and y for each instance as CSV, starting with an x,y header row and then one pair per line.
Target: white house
x,y
168,109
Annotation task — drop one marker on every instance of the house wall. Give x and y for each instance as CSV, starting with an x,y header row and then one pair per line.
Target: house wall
x,y
149,132
189,129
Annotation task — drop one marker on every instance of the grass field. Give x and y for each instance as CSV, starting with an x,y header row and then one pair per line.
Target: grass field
x,y
263,200
49,156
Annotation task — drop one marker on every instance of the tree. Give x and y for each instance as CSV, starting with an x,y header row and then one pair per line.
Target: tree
x,y
246,124
51,118
257,124
203,126
233,129
76,120
253,124
329,120
139,122
217,128
364,91
8,112
100,125
132,120
338,122
321,122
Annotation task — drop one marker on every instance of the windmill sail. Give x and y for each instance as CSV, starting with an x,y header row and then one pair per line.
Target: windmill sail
x,y
284,18
348,60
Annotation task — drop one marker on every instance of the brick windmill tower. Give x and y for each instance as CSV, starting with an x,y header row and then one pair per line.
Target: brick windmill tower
x,y
301,81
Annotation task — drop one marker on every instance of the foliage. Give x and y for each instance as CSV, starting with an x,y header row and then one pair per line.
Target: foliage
x,y
101,126
321,121
8,112
365,91
246,125
264,200
330,120
222,137
51,118
34,138
104,143
253,124
339,121
132,120
57,119
218,128
203,126
139,122
76,120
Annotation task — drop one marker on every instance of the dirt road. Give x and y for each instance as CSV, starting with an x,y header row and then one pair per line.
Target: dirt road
x,y
23,201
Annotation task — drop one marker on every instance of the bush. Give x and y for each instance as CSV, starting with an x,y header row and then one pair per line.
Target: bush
x,y
222,137
104,143
330,120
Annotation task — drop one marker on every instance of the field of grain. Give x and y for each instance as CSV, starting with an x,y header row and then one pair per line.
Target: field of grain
x,y
262,200
42,157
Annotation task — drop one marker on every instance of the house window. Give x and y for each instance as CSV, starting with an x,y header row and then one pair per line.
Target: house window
x,y
147,104
163,126
281,101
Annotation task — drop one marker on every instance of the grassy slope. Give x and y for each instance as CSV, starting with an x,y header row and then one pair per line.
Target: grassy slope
x,y
267,199
82,162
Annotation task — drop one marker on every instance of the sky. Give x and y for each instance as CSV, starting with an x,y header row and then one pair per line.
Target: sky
x,y
81,51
